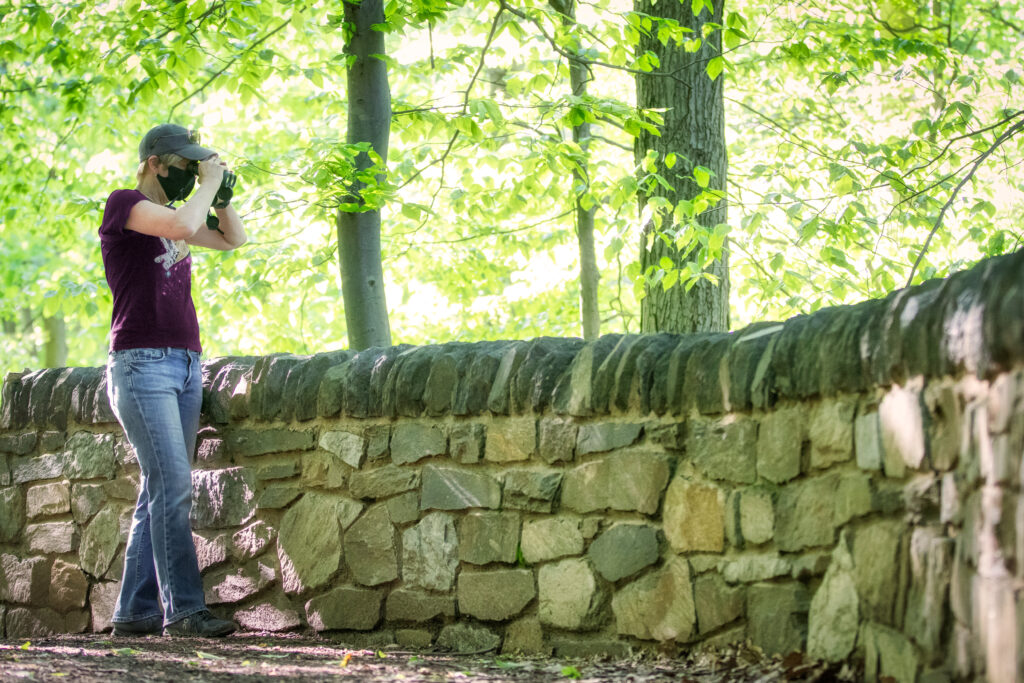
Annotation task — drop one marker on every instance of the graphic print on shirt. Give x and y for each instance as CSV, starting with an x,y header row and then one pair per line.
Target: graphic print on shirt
x,y
174,251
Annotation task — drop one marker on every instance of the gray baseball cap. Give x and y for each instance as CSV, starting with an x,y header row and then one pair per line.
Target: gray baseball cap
x,y
170,138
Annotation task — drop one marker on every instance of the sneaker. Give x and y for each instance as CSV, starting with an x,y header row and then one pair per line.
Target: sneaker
x,y
141,627
201,625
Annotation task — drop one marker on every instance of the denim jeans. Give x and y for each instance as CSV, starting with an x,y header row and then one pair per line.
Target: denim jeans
x,y
156,395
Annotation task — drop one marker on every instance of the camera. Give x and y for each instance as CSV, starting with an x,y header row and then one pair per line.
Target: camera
x,y
226,190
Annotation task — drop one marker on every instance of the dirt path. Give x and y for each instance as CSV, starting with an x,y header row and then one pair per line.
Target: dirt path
x,y
100,658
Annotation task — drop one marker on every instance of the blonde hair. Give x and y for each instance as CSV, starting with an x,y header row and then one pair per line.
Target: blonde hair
x,y
165,159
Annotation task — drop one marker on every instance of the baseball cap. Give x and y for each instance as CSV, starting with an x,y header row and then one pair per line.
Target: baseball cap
x,y
170,138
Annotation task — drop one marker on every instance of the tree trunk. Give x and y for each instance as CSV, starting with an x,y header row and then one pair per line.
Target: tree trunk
x,y
369,120
579,75
56,349
694,129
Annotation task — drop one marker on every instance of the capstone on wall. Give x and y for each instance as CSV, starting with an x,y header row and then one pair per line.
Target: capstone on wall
x,y
846,484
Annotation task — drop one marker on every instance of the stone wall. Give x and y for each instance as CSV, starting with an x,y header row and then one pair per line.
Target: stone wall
x,y
844,483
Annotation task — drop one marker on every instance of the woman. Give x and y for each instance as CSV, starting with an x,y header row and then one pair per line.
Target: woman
x,y
154,375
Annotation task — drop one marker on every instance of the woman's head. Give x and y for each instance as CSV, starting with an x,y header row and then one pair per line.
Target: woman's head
x,y
163,156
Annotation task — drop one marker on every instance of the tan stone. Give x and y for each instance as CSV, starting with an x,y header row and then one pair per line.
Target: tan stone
x,y
68,586
831,432
102,600
48,499
658,606
694,516
570,597
511,439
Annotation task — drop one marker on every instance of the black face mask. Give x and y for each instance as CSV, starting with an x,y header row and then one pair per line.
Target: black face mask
x,y
177,184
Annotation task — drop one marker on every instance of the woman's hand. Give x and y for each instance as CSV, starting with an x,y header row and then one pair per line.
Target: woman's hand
x,y
212,170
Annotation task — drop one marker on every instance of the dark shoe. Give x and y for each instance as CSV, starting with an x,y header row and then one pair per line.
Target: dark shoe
x,y
142,627
201,625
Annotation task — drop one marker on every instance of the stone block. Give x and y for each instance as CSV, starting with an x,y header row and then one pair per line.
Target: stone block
x,y
414,638
694,516
550,538
274,614
724,449
625,481
587,647
52,537
831,432
467,443
86,501
946,421
100,542
122,488
48,499
251,442
24,581
211,548
755,515
18,444
570,596
777,617
12,514
351,448
370,548
495,595
601,437
405,604
430,553
252,540
531,490
102,600
90,456
222,498
22,622
780,443
715,602
888,655
659,605
931,564
557,439
383,482
834,614
751,568
447,488
212,451
462,637
345,608
805,514
878,562
511,439
525,637
277,496
411,442
853,497
486,537
404,508
236,583
38,468
901,415
309,540
442,382
624,550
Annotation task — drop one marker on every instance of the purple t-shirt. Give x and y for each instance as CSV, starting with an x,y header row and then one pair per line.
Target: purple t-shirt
x,y
151,280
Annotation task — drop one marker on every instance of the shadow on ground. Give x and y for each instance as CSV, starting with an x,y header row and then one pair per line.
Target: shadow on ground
x,y
100,658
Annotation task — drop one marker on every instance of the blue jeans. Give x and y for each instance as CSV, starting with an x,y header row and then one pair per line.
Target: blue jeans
x,y
156,395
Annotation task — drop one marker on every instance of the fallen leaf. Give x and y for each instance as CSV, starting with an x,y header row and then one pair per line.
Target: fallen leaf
x,y
207,655
26,645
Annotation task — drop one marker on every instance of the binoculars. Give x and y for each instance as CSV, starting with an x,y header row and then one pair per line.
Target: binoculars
x,y
226,190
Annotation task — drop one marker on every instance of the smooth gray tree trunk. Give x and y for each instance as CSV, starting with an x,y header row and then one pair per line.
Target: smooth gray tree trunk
x,y
694,128
369,120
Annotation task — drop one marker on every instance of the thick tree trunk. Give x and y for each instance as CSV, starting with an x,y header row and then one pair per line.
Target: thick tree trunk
x,y
369,120
56,350
694,128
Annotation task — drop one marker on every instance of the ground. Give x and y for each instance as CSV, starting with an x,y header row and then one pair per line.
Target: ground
x,y
100,658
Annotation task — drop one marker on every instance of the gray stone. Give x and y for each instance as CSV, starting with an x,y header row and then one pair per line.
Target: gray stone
x,y
24,581
805,514
447,488
100,542
102,600
370,548
52,537
754,512
831,432
624,550
345,608
279,469
414,638
48,499
309,540
86,501
90,456
551,538
658,606
277,496
557,440
889,655
351,448
40,622
751,568
715,603
601,437
570,596
237,583
931,564
462,637
694,516
212,550
123,488
38,468
383,482
486,537
12,514
780,442
901,413
322,470
724,449
867,438
274,615
495,595
411,442
404,508
853,497
877,552
18,444
430,553
525,637
249,542
378,439
248,442
212,451
222,498
834,614
628,481
777,617
531,490
412,605
511,439
467,443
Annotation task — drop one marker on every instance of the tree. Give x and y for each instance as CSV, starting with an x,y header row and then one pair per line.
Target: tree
x,y
683,233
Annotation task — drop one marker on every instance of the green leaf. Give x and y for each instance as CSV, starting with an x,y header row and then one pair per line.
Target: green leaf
x,y
715,66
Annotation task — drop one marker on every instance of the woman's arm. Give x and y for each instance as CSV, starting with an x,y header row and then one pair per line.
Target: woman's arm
x,y
182,223
232,233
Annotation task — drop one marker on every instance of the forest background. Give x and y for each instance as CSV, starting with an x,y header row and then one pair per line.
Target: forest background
x,y
870,144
